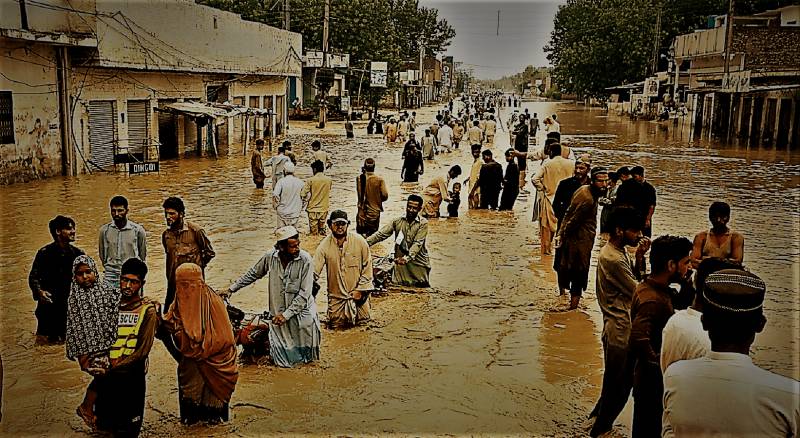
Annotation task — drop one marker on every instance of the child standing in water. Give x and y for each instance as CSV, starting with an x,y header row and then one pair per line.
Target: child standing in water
x,y
92,318
455,201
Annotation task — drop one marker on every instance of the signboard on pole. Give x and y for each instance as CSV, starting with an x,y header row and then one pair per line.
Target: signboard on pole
x,y
378,74
313,59
651,87
346,104
447,71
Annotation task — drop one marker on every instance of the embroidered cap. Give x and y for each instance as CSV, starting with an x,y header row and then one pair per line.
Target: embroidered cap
x,y
734,290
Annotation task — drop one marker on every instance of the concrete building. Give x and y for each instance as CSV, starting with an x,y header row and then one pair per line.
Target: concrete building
x,y
89,84
756,95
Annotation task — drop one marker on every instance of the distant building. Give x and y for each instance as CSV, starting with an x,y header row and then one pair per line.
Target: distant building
x,y
757,98
88,84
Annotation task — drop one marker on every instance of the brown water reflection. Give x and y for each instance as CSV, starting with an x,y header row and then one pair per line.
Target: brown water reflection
x,y
481,354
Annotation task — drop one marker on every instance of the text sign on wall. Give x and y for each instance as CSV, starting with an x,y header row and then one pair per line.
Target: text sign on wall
x,y
150,166
737,82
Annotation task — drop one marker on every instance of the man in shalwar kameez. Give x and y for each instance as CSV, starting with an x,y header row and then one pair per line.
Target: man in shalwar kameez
x,y
294,331
347,261
546,180
412,264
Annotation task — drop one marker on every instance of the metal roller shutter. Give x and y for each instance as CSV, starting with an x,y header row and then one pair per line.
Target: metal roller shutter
x,y
102,132
138,124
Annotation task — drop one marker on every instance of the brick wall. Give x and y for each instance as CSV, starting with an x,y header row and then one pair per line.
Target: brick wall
x,y
768,48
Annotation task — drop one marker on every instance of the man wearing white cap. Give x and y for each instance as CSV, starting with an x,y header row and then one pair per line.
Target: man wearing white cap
x,y
286,197
346,257
294,332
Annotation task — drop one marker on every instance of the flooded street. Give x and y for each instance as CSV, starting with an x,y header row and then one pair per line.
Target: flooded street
x,y
486,351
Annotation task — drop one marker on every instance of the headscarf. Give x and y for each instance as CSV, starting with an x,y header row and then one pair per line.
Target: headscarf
x,y
202,331
92,314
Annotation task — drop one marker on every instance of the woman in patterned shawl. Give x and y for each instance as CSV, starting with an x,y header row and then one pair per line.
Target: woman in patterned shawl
x,y
92,317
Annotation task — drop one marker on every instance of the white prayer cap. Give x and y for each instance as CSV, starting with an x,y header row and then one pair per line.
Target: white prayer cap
x,y
288,167
285,232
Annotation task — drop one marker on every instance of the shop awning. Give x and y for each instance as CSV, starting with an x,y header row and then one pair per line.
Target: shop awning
x,y
211,109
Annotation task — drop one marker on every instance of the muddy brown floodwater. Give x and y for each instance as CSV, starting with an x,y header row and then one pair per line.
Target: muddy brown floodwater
x,y
486,351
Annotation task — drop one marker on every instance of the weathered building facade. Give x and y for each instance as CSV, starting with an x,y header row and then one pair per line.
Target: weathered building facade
x,y
89,84
756,94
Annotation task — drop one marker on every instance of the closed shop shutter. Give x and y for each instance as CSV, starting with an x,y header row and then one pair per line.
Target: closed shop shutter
x,y
102,131
138,124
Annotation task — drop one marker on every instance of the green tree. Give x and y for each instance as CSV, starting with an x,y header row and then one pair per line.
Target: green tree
x,y
367,30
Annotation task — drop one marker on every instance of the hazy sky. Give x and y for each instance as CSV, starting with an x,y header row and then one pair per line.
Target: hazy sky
x,y
525,27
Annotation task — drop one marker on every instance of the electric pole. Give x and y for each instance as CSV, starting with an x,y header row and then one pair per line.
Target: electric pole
x,y
286,14
325,21
421,70
288,87
498,22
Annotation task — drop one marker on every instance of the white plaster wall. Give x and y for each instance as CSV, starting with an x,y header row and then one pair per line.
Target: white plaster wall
x,y
49,15
191,37
36,151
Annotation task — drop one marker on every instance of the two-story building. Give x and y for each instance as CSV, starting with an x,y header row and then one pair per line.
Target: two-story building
x,y
88,84
756,92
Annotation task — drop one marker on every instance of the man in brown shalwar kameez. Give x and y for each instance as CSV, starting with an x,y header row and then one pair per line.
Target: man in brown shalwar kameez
x,y
576,236
184,242
347,260
372,193
257,166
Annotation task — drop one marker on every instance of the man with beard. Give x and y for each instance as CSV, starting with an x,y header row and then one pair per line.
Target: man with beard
x,y
50,279
576,237
121,391
348,261
567,187
120,240
490,181
412,264
184,242
670,262
617,277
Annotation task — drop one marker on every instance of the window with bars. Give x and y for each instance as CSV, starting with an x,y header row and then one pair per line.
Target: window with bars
x,y
6,118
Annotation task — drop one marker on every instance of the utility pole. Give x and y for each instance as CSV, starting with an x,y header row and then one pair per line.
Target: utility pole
x,y
657,40
288,87
325,22
286,16
498,22
726,78
420,82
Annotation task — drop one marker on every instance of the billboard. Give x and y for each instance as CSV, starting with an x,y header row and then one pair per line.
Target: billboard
x,y
377,74
651,87
313,59
447,71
